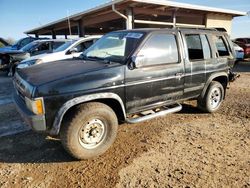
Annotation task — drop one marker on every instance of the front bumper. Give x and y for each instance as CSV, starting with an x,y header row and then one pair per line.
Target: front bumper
x,y
36,122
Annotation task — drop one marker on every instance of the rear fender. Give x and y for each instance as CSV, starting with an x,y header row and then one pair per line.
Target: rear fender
x,y
214,77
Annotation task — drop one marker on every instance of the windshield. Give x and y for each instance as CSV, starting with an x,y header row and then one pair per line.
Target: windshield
x,y
29,46
64,46
17,42
114,46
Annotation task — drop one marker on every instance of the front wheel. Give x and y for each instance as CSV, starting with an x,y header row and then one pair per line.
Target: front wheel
x,y
213,98
90,132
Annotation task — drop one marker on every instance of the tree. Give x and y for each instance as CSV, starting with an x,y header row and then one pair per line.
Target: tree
x,y
1,45
10,40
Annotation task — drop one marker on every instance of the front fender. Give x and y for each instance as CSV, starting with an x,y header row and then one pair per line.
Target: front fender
x,y
78,100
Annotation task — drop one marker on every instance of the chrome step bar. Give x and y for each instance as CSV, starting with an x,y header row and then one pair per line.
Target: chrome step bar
x,y
156,114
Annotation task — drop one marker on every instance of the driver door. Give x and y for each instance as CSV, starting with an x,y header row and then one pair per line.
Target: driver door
x,y
160,79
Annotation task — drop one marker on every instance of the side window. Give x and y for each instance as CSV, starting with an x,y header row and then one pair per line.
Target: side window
x,y
55,45
195,50
206,47
44,46
221,46
160,49
80,47
87,44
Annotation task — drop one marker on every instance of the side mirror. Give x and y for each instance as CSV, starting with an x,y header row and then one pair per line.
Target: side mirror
x,y
73,50
138,61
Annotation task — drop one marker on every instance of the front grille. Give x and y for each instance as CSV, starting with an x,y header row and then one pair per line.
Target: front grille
x,y
23,88
19,83
21,96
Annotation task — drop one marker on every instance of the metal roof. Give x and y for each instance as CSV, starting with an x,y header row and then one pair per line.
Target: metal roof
x,y
166,3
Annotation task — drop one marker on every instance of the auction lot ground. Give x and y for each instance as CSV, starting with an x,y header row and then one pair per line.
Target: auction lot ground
x,y
186,149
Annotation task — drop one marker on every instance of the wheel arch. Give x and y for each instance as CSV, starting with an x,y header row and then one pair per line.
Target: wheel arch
x,y
219,77
110,99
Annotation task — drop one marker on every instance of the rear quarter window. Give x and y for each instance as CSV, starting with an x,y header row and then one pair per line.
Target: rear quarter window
x,y
221,46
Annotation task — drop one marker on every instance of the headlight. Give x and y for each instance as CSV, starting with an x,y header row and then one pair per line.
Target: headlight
x,y
25,64
36,105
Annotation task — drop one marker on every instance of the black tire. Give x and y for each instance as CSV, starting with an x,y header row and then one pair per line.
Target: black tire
x,y
213,98
92,121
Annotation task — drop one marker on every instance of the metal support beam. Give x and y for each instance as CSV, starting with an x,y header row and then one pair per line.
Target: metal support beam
x,y
190,25
128,23
81,30
53,34
152,22
174,18
130,19
66,36
36,35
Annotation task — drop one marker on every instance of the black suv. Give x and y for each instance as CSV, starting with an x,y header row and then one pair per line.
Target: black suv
x,y
127,76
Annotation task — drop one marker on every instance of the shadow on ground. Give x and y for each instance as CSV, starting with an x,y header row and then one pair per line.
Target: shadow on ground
x,y
31,147
242,66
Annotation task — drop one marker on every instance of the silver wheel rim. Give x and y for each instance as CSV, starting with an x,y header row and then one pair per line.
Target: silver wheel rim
x,y
215,98
91,134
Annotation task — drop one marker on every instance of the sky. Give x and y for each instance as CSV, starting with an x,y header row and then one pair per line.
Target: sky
x,y
17,16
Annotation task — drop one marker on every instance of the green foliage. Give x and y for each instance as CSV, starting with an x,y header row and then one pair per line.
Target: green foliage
x,y
1,45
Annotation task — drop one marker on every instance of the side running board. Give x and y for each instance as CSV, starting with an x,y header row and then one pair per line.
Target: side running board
x,y
155,113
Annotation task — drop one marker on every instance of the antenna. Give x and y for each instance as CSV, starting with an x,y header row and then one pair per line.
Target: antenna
x,y
69,23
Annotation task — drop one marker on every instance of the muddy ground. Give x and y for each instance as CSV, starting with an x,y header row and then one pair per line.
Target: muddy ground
x,y
186,149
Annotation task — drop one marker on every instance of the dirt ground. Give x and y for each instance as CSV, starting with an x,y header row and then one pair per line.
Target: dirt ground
x,y
186,149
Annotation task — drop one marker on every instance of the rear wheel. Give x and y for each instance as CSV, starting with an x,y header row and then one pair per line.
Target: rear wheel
x,y
213,98
90,132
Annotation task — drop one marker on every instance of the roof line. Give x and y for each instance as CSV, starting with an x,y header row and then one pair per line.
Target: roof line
x,y
192,6
77,14
157,2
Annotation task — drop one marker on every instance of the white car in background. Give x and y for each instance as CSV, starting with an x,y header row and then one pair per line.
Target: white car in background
x,y
239,52
69,50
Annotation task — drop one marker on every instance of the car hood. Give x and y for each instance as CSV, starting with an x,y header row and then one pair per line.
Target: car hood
x,y
12,52
48,72
7,49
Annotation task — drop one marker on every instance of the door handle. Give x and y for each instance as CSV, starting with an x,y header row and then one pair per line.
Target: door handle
x,y
179,74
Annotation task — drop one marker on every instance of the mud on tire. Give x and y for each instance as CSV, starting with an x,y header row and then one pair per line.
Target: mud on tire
x,y
90,132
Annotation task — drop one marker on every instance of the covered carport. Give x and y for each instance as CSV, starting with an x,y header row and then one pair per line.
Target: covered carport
x,y
129,14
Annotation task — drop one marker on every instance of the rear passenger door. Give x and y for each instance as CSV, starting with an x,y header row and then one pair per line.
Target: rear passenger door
x,y
198,55
160,79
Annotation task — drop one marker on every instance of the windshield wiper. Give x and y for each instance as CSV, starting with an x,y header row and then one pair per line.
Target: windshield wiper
x,y
95,58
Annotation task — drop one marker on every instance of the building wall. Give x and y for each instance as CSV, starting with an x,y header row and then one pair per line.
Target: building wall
x,y
216,20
